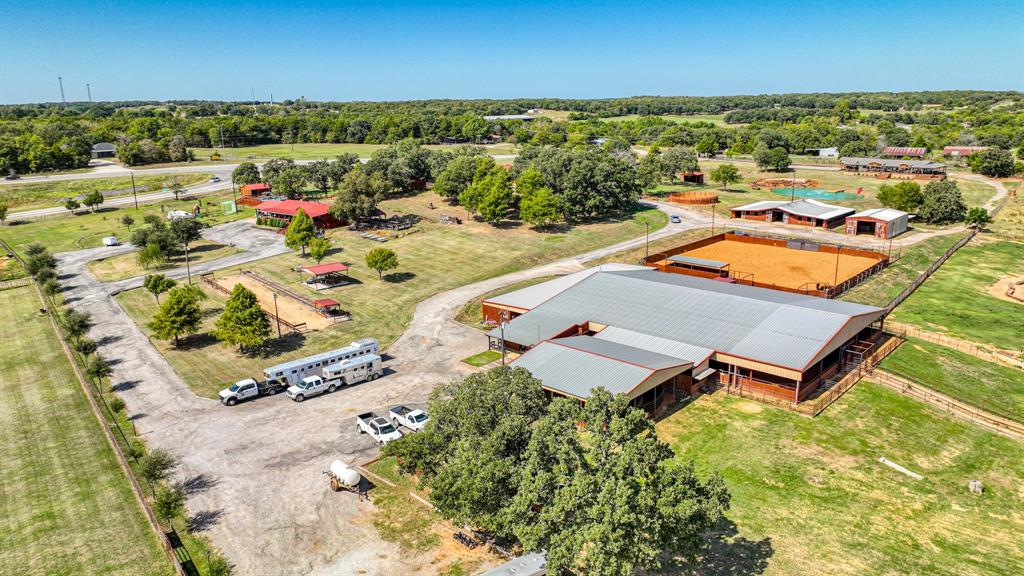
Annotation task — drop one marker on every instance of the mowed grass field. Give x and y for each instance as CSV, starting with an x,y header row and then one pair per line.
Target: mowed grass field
x,y
65,504
315,151
87,230
956,299
975,193
882,287
809,495
987,385
716,119
46,194
127,266
437,257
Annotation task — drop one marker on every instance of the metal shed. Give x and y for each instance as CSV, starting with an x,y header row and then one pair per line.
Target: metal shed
x,y
881,223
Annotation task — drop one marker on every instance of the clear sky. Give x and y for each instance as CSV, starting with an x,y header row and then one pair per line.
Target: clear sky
x,y
218,49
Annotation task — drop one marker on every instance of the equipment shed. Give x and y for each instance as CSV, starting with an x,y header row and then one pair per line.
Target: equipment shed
x,y
882,223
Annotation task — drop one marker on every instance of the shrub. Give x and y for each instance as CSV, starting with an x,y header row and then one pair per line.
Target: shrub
x,y
115,404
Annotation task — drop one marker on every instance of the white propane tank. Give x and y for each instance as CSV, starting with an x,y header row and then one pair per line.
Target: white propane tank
x,y
345,475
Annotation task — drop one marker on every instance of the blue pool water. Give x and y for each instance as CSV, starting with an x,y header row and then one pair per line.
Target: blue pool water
x,y
816,193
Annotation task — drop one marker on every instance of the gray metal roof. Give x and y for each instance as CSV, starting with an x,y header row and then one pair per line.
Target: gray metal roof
x,y
682,259
779,328
104,147
815,209
890,162
621,352
762,205
532,296
525,117
576,372
674,348
884,214
533,564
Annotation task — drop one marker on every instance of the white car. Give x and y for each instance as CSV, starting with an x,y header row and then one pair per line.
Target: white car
x,y
214,180
310,386
378,427
412,419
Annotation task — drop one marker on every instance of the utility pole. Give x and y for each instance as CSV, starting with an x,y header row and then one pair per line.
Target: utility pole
x,y
835,279
88,90
61,82
647,243
252,92
134,195
504,321
277,316
188,269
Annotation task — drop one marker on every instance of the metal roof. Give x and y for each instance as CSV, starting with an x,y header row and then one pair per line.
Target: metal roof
x,y
815,209
621,352
762,205
286,366
532,296
680,258
524,117
104,147
533,564
674,348
891,163
962,150
780,328
903,151
884,214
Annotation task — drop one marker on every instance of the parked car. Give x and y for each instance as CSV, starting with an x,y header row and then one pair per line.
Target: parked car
x,y
310,386
246,389
675,219
414,420
377,427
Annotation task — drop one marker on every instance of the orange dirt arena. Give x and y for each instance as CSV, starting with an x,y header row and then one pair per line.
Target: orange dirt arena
x,y
773,263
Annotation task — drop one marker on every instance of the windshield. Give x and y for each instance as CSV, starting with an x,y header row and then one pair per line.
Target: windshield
x,y
419,418
233,387
386,429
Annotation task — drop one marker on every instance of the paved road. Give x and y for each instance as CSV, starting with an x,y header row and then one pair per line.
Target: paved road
x,y
261,461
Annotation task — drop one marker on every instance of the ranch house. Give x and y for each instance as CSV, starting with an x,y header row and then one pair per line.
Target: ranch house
x,y
798,213
884,166
286,210
654,336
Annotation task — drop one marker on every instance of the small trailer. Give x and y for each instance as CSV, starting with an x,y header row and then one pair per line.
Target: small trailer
x,y
354,370
343,477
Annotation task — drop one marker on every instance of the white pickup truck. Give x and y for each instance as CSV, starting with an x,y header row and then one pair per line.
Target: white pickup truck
x,y
377,427
246,389
414,420
310,386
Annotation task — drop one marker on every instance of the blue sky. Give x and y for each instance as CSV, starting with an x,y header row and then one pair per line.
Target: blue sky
x,y
453,49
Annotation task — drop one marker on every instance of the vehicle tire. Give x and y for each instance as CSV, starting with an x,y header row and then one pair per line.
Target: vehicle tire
x,y
395,422
272,391
360,429
331,388
300,398
232,401
373,376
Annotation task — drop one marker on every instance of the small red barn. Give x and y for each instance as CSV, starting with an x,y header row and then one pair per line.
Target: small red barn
x,y
286,209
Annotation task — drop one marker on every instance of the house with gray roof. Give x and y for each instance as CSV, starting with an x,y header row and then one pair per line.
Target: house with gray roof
x,y
803,212
648,334
893,166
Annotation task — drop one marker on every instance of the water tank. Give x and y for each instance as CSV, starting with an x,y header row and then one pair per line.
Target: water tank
x,y
346,475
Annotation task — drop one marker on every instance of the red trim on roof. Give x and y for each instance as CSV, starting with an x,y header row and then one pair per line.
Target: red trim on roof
x,y
325,302
903,151
291,207
326,268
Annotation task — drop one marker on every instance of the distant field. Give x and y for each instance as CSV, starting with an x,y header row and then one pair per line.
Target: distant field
x,y
65,504
809,495
989,386
68,233
314,151
717,119
47,194
435,258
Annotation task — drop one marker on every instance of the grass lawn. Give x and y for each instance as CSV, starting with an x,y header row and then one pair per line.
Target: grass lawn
x,y
68,233
482,359
716,119
126,265
1009,222
436,257
46,194
956,299
809,496
993,387
65,504
314,151
975,193
881,288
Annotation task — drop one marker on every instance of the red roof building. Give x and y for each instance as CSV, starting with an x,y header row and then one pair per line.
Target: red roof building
x,y
257,189
901,151
285,210
330,268
962,151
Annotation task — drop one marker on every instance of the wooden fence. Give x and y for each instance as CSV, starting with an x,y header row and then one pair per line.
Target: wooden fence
x,y
18,283
987,354
210,281
816,405
927,273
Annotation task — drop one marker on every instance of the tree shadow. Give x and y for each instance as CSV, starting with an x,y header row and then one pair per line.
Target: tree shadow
x,y
508,224
63,277
198,484
126,385
204,520
136,416
284,344
105,340
399,277
197,341
725,553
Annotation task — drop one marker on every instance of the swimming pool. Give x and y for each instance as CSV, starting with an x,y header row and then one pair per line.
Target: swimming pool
x,y
816,193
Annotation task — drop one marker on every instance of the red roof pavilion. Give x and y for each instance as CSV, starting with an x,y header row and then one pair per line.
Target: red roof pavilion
x,y
291,207
326,268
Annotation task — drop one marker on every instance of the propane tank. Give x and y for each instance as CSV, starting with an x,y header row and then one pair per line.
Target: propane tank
x,y
345,475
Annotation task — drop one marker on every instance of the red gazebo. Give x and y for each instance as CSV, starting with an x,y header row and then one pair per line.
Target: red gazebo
x,y
326,306
331,274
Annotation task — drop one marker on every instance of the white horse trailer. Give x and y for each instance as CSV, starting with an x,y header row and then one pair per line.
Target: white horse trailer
x,y
291,373
354,370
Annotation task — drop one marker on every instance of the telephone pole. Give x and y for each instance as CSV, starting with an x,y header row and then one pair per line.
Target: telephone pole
x,y
61,82
88,90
